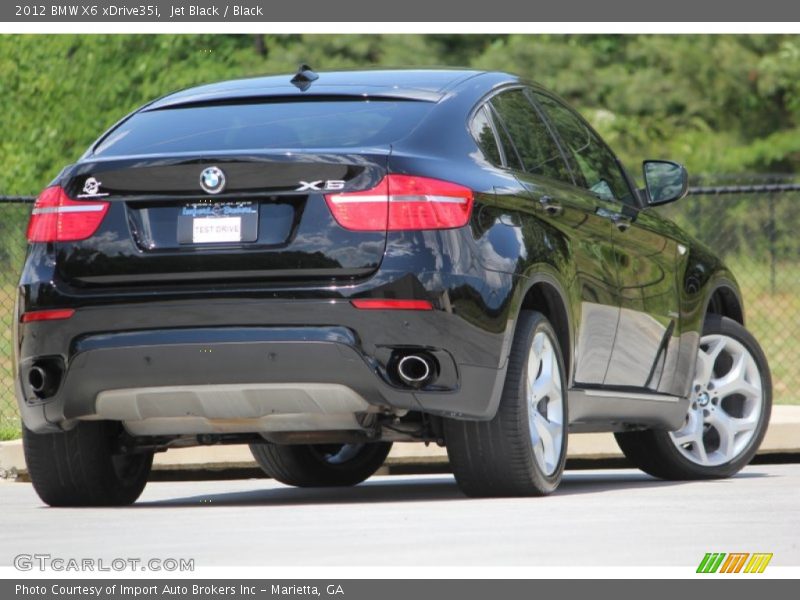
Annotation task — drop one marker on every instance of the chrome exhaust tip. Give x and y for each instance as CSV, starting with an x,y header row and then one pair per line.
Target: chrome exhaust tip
x,y
415,370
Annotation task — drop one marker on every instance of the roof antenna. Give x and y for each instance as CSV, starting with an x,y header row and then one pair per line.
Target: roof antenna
x,y
304,77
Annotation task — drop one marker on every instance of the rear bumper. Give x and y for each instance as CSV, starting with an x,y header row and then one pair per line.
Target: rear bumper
x,y
117,352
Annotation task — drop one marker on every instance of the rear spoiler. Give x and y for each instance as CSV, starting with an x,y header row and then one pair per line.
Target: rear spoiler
x,y
317,95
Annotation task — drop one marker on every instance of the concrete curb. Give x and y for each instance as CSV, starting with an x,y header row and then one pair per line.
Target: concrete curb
x,y
783,437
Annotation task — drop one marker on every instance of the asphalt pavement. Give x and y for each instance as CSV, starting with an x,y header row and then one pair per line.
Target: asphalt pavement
x,y
599,517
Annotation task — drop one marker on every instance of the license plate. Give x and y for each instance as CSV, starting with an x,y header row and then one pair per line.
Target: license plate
x,y
218,223
208,230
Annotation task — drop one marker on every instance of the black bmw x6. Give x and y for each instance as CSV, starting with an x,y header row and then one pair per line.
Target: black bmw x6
x,y
320,265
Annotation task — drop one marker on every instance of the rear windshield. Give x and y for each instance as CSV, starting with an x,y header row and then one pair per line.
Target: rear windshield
x,y
308,124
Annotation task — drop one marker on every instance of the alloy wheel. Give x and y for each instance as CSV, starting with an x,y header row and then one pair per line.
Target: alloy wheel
x,y
726,403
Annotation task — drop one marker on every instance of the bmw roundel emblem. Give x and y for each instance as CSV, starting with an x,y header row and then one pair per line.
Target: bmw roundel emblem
x,y
212,180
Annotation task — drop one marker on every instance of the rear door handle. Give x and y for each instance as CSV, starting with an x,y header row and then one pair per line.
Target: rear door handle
x,y
621,222
551,206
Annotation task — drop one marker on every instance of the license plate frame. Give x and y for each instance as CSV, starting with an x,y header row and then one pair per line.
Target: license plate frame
x,y
215,223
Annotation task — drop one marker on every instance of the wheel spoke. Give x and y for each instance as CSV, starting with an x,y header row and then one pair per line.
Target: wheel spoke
x,y
727,433
684,436
540,389
689,439
699,450
343,454
538,344
544,384
745,424
552,426
691,432
542,429
729,382
545,403
707,358
538,454
547,434
533,371
546,359
736,384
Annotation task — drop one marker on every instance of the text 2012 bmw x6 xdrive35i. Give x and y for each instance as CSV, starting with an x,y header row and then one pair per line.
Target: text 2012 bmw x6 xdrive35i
x,y
322,265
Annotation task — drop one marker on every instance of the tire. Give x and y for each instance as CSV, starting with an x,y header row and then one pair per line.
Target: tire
x,y
79,467
509,456
320,465
728,414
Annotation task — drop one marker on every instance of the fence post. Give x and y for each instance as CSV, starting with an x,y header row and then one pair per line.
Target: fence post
x,y
772,241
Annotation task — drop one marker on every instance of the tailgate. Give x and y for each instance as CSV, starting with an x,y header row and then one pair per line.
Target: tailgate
x,y
222,218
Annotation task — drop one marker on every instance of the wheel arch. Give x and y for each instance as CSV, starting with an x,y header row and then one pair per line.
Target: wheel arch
x,y
725,300
544,293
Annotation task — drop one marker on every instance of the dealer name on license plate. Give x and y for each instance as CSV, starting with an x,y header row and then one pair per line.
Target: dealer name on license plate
x,y
218,223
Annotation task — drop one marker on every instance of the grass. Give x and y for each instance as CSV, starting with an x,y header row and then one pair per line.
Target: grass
x,y
10,429
773,317
9,414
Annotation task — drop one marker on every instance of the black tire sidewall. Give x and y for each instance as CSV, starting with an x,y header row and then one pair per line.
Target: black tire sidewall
x,y
76,467
303,465
352,471
530,324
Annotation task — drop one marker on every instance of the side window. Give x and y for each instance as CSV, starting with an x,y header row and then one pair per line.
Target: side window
x,y
482,131
599,171
513,160
531,137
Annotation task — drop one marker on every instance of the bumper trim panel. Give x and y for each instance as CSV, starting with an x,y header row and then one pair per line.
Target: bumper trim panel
x,y
233,408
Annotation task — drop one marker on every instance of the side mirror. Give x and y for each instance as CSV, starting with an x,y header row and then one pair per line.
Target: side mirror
x,y
665,181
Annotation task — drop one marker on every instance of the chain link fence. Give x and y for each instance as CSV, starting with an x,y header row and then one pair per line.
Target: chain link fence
x,y
751,221
14,213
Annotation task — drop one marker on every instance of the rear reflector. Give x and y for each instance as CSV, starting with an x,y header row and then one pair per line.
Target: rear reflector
x,y
48,315
382,304
58,218
403,203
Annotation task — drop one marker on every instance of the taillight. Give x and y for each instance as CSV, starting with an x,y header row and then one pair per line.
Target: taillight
x,y
55,314
390,304
403,202
58,218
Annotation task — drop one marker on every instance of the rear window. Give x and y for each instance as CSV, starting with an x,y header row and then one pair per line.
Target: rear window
x,y
307,124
